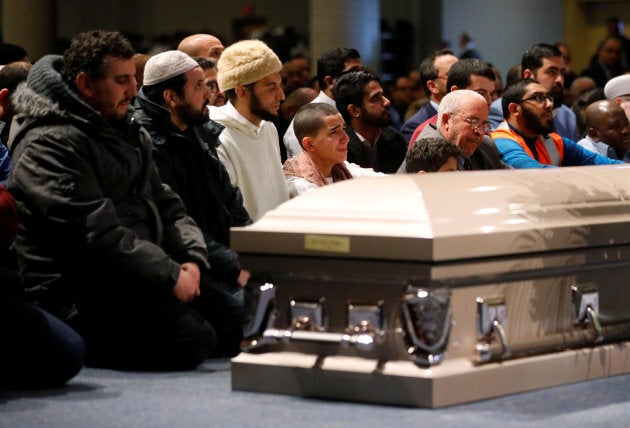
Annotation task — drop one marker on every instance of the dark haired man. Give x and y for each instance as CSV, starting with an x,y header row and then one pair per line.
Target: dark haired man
x,y
210,70
173,106
103,244
365,108
525,139
432,154
174,109
467,73
433,75
10,76
544,63
330,66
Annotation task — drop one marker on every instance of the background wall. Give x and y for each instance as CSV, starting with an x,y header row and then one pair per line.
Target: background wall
x,y
502,29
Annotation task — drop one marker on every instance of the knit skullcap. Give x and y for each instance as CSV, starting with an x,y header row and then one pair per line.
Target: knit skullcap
x,y
167,64
246,62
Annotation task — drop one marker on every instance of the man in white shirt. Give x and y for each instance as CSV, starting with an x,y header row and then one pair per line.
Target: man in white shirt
x,y
249,74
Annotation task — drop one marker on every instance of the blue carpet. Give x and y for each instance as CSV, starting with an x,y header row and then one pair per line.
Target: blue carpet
x,y
203,398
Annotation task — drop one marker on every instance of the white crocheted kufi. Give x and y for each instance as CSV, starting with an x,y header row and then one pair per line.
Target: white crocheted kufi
x,y
165,65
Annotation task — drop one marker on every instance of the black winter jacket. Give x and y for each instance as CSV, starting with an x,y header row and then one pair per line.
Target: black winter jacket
x,y
95,219
188,163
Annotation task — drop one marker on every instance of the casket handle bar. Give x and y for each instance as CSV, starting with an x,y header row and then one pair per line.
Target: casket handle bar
x,y
362,341
308,323
586,305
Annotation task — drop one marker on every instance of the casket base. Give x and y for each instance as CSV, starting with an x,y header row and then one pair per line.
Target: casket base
x,y
402,383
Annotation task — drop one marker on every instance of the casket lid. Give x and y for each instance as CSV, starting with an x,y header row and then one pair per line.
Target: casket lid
x,y
450,216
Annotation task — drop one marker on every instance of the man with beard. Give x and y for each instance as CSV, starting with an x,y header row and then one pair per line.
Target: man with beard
x,y
173,106
526,140
103,243
607,130
544,63
330,66
249,74
618,90
363,105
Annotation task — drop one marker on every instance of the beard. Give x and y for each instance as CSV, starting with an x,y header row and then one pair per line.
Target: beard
x,y
380,121
535,124
257,109
192,116
557,92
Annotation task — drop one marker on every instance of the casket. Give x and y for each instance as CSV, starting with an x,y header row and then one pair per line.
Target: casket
x,y
435,289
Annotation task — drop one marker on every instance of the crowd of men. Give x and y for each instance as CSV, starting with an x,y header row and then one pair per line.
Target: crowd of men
x,y
126,172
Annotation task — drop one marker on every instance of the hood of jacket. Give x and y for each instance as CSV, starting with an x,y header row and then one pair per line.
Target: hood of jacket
x,y
229,117
45,97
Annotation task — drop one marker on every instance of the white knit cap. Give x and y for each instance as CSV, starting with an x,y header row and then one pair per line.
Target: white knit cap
x,y
167,64
617,86
246,62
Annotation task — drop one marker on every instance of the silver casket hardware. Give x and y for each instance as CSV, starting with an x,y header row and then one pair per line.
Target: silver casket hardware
x,y
426,320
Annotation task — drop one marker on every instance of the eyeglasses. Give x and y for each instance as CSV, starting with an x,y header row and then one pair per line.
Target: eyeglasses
x,y
539,99
442,77
213,85
476,124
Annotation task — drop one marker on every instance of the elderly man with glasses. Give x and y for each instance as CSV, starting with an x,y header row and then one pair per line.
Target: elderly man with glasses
x,y
525,139
462,120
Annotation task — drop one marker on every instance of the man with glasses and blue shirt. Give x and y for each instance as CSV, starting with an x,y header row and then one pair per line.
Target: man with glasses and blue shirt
x,y
545,63
525,139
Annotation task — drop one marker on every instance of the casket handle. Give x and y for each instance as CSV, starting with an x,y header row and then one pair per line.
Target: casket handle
x,y
362,341
586,308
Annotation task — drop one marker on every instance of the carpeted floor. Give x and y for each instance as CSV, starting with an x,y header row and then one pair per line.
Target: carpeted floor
x,y
203,398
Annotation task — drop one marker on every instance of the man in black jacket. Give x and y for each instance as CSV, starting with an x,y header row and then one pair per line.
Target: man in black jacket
x,y
362,103
172,106
103,243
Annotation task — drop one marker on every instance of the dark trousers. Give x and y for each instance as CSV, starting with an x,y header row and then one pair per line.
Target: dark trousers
x,y
159,332
37,350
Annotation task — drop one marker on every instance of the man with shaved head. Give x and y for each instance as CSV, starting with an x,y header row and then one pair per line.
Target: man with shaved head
x,y
203,45
607,130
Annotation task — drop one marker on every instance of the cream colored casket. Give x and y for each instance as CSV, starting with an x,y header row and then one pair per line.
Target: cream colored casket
x,y
436,289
